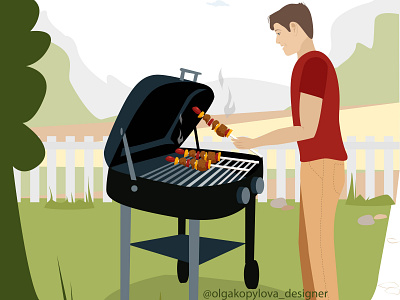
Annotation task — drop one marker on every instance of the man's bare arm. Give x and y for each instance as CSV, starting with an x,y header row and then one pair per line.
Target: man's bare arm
x,y
310,110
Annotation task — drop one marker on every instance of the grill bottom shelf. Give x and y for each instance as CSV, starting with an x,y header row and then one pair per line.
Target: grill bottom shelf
x,y
177,247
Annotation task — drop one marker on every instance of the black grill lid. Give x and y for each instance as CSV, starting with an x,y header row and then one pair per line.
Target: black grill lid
x,y
157,117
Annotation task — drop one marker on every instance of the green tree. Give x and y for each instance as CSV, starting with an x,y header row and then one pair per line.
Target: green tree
x,y
22,90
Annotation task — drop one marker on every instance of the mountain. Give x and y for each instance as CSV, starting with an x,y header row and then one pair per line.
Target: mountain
x,y
259,96
101,98
371,76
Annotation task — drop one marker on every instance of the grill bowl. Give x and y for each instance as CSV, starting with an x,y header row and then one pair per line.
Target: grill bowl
x,y
197,203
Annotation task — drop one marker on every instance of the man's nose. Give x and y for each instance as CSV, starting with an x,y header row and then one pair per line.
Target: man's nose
x,y
277,40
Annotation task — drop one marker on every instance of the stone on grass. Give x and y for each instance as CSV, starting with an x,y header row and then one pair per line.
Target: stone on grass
x,y
393,291
278,202
287,207
366,220
380,216
387,285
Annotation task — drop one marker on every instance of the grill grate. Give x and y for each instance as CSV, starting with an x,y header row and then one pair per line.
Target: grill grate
x,y
217,175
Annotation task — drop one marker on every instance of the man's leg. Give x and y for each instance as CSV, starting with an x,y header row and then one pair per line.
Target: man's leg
x,y
320,181
333,185
306,273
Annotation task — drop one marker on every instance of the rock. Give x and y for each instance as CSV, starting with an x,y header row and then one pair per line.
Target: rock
x,y
278,202
366,220
380,216
393,291
287,207
393,240
387,285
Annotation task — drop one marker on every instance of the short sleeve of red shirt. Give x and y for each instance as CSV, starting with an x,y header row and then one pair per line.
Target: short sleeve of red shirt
x,y
313,78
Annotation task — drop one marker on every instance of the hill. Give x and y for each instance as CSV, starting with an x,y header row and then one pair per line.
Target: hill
x,y
61,105
346,33
371,76
102,96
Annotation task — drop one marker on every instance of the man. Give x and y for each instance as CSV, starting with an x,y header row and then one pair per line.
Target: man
x,y
315,111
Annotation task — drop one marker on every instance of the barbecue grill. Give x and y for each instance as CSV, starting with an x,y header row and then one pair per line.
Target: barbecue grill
x,y
155,120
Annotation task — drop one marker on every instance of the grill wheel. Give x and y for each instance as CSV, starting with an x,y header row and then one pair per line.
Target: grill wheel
x,y
183,271
251,274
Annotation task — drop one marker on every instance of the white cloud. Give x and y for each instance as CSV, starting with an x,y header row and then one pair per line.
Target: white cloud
x,y
218,3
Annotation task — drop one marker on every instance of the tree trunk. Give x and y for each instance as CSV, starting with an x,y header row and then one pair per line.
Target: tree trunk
x,y
16,282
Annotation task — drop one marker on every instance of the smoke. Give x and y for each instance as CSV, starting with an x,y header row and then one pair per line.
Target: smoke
x,y
229,107
221,79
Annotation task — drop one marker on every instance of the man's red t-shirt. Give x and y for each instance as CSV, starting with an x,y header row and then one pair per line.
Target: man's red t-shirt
x,y
315,75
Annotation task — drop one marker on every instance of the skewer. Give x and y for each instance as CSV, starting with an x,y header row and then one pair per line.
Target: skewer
x,y
231,168
240,159
252,150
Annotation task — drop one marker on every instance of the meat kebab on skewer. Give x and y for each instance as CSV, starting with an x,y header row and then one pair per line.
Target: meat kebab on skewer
x,y
206,155
219,128
201,164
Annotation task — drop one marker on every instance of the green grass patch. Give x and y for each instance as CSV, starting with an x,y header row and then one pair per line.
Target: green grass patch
x,y
88,196
88,242
78,204
62,284
65,204
170,289
360,201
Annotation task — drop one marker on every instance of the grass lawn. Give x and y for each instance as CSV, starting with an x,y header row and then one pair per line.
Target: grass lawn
x,y
86,242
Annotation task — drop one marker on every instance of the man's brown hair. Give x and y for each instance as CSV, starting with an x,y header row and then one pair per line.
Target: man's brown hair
x,y
298,13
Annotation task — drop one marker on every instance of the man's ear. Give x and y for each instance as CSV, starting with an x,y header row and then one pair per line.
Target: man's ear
x,y
294,27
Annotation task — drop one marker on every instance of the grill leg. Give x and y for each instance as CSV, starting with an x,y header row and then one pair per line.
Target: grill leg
x,y
250,230
181,226
194,247
251,271
182,266
125,251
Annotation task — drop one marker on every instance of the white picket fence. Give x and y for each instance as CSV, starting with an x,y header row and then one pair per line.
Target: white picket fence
x,y
70,146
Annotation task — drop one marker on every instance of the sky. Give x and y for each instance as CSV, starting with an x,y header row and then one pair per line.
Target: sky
x,y
134,39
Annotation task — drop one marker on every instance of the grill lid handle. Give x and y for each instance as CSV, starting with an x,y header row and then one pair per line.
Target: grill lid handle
x,y
196,74
132,173
183,71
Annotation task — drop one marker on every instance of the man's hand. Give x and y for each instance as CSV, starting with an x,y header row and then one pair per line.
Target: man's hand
x,y
244,143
